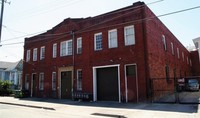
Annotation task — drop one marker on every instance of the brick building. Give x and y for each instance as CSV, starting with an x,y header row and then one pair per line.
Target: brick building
x,y
122,55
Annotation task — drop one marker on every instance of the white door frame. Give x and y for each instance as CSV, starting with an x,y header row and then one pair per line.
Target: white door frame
x,y
95,80
126,84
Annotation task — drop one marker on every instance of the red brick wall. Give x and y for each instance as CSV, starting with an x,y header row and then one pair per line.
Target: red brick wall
x,y
195,63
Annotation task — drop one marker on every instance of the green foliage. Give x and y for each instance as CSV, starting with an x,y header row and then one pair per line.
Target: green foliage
x,y
5,88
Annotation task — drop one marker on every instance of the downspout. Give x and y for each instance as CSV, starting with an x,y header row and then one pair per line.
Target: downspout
x,y
148,88
73,61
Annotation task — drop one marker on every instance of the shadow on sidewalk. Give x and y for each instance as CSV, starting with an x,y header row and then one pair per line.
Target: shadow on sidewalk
x,y
184,108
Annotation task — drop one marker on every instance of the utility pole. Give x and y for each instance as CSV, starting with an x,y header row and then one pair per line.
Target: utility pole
x,y
1,19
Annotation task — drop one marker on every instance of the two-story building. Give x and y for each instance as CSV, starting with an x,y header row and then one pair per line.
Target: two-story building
x,y
123,55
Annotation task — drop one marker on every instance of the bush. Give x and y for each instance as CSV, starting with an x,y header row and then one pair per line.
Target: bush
x,y
5,88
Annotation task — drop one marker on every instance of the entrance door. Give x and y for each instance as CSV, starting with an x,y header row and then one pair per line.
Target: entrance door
x,y
34,88
66,84
107,84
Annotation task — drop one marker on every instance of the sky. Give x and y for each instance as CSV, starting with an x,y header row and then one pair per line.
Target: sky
x,y
26,18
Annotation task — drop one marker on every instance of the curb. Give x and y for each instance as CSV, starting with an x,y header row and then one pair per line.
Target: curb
x,y
31,106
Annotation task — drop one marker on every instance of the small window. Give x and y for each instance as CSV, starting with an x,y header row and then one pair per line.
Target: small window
x,y
178,53
53,81
28,53
164,42
183,56
167,72
54,50
27,77
42,53
79,45
172,47
129,35
41,81
98,44
112,38
35,54
79,80
131,70
66,48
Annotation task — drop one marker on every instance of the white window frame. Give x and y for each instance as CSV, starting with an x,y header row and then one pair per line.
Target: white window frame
x,y
42,52
28,54
79,45
164,42
112,40
27,79
54,50
67,49
79,80
172,47
41,81
35,54
131,39
178,53
98,45
53,81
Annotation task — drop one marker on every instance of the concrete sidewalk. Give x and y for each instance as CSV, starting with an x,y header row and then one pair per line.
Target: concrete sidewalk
x,y
105,108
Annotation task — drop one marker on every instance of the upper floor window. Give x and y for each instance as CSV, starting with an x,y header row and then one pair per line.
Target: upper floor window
x,y
28,54
66,48
53,81
178,53
112,38
35,54
129,34
54,50
183,56
164,42
79,45
41,81
42,53
172,47
98,44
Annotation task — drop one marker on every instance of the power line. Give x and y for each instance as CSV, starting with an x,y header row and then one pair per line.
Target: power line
x,y
139,20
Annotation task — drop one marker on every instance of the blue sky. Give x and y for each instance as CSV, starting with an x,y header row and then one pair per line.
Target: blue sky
x,y
25,17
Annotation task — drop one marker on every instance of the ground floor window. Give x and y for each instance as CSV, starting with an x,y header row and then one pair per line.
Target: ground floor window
x,y
27,77
54,81
131,70
41,81
79,80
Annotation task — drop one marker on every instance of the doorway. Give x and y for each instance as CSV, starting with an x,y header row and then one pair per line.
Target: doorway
x,y
66,84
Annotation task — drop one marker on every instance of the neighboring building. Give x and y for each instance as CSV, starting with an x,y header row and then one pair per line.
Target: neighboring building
x,y
124,55
195,54
12,71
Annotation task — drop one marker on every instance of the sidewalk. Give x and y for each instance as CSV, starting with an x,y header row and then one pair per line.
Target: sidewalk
x,y
102,108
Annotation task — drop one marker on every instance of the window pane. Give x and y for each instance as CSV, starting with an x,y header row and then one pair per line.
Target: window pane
x,y
98,41
129,35
54,50
79,45
112,38
131,70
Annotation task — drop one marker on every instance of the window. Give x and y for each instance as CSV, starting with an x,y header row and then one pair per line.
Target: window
x,y
187,60
79,80
112,38
98,41
53,81
79,45
66,48
35,54
41,81
42,53
164,42
131,70
183,56
178,53
27,81
28,54
54,50
172,47
129,34
167,72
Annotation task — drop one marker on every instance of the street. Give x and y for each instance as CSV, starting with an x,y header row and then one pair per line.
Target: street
x,y
74,109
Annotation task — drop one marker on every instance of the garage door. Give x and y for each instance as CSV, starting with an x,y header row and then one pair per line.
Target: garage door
x,y
107,84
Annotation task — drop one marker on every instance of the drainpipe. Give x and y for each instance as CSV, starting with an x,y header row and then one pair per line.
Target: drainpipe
x,y
73,60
